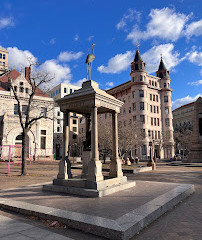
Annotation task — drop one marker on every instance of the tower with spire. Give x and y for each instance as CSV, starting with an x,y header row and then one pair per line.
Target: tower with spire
x,y
166,107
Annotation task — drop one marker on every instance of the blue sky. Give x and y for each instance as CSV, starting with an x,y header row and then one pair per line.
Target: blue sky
x,y
57,34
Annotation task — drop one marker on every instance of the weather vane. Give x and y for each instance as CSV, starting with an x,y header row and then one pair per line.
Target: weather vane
x,y
161,56
137,44
89,60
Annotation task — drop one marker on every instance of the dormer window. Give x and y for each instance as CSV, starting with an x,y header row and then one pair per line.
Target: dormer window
x,y
21,83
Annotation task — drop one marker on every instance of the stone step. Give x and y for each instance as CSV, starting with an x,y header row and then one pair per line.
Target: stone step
x,y
89,192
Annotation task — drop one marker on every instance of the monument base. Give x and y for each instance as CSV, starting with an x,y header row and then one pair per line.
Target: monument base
x,y
83,187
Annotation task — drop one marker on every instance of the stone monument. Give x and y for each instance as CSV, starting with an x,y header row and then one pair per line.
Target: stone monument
x,y
90,101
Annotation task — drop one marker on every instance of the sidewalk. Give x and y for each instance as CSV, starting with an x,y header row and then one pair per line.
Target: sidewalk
x,y
14,229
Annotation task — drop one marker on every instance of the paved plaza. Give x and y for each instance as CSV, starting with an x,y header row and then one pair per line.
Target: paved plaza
x,y
182,222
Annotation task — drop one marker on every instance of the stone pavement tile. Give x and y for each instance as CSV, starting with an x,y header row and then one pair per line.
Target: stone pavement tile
x,y
9,226
39,233
16,236
12,229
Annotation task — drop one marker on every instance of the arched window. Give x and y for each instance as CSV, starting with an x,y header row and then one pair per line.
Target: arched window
x,y
141,79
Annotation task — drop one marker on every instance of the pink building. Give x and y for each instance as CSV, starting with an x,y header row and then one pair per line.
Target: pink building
x,y
147,104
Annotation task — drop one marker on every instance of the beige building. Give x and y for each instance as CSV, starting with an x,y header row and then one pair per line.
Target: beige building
x,y
60,91
183,117
147,104
40,136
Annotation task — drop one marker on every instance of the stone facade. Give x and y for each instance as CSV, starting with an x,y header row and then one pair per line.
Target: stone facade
x,y
195,154
147,104
40,136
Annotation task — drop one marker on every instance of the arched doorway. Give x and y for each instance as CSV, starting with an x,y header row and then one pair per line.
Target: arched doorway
x,y
18,146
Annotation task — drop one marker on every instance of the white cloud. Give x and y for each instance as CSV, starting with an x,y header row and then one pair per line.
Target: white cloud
x,y
118,63
128,17
79,82
152,57
76,37
19,59
165,23
61,73
196,83
195,57
194,28
182,101
90,38
52,41
6,22
69,56
110,84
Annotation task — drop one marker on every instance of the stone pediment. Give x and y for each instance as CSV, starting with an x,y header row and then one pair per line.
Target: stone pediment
x,y
84,99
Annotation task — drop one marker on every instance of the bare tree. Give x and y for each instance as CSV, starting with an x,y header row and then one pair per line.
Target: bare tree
x,y
129,136
183,139
36,79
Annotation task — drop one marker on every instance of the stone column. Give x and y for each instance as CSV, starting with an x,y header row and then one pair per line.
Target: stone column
x,y
95,166
115,165
62,164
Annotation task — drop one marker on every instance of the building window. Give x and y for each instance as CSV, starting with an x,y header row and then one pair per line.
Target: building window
x,y
159,135
24,109
158,121
165,98
71,90
58,129
149,133
133,79
134,106
167,122
0,55
134,118
154,109
164,85
150,108
15,88
155,134
153,97
141,105
151,121
56,92
133,94
26,90
149,82
124,100
157,98
21,83
141,93
58,121
166,110
152,83
74,129
157,109
155,84
58,113
21,89
65,90
142,118
129,110
150,97
154,121
43,111
152,134
141,79
143,150
4,56
74,136
74,114
43,139
74,121
15,109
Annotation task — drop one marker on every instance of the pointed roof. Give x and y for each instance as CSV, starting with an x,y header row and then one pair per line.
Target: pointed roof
x,y
137,55
162,65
